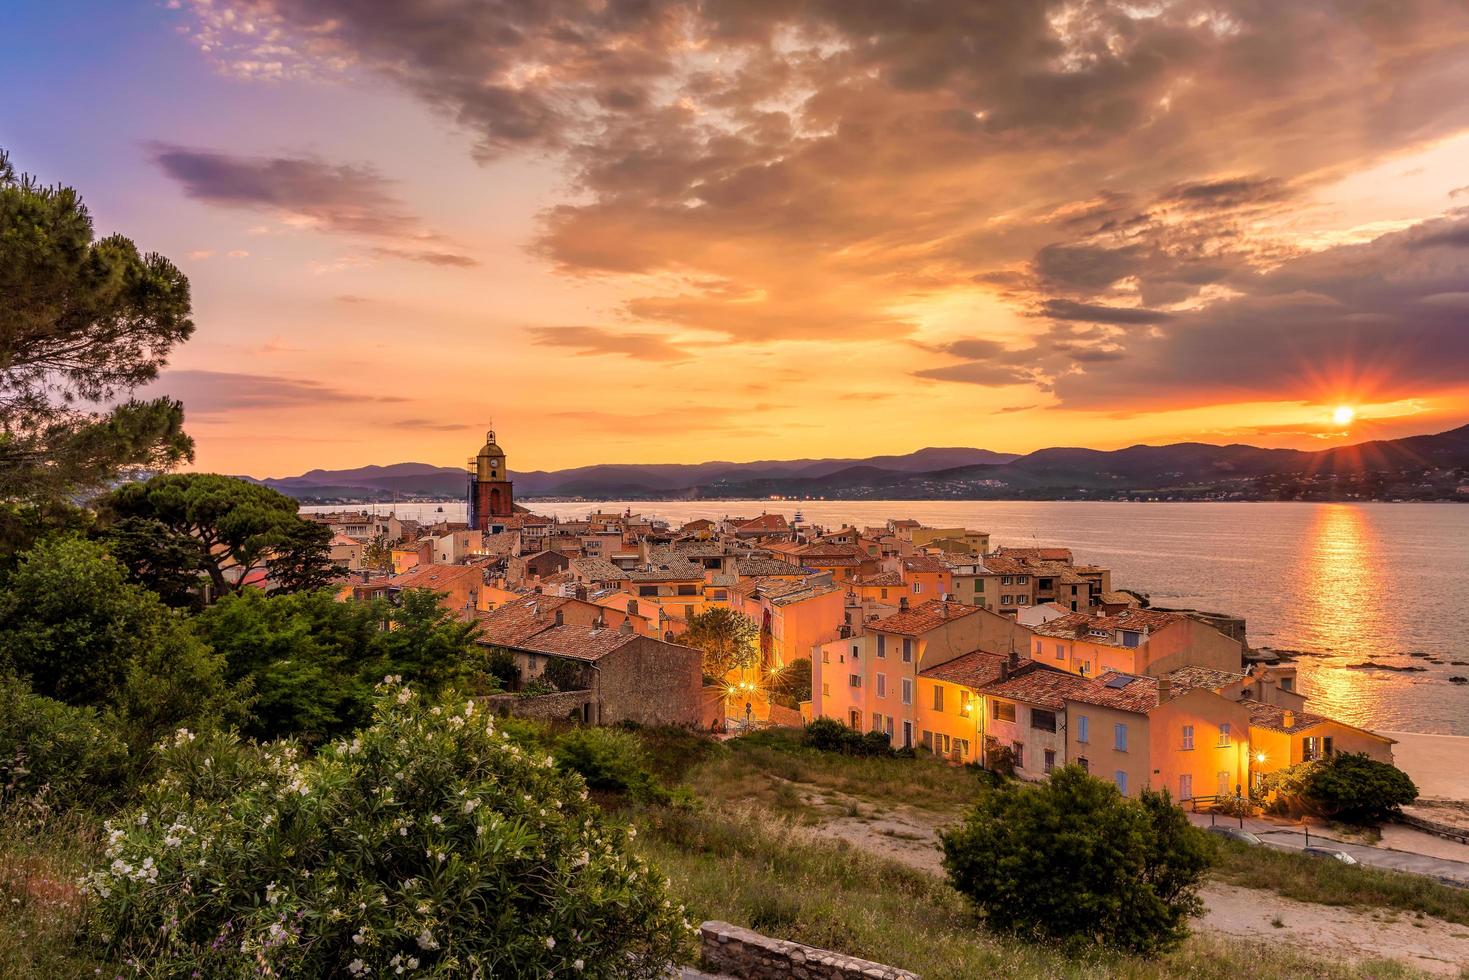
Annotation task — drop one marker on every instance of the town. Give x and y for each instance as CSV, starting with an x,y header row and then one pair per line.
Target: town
x,y
1020,658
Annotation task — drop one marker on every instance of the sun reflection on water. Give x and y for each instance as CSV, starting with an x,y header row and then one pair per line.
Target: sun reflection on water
x,y
1341,589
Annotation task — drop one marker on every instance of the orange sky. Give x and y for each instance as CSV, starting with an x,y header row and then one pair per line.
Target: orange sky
x,y
674,231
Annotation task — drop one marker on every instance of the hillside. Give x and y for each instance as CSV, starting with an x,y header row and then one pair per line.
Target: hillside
x,y
1417,467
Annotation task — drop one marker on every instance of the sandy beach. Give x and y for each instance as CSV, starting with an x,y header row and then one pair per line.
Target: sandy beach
x,y
1439,764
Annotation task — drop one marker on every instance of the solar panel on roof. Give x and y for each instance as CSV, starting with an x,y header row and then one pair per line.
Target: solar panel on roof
x,y
1120,681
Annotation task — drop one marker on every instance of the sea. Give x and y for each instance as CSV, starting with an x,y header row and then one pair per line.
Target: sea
x,y
1348,584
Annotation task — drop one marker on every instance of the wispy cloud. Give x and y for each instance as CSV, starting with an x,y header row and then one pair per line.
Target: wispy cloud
x,y
588,341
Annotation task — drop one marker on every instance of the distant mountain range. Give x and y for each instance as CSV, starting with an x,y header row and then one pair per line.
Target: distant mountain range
x,y
1418,467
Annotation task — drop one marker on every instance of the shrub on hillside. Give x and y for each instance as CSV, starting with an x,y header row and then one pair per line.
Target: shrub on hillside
x,y
45,745
1074,860
1350,787
428,843
610,760
830,735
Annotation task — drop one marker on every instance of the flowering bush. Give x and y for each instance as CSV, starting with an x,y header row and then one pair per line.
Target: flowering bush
x,y
429,843
49,746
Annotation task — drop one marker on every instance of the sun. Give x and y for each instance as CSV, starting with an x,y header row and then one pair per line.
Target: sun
x,y
1343,415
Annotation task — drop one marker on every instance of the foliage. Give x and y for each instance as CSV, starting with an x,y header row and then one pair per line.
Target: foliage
x,y
501,667
377,554
67,754
157,558
235,528
23,525
564,674
609,760
81,321
1074,860
428,842
793,683
77,631
312,659
1234,806
726,637
1347,786
830,735
999,757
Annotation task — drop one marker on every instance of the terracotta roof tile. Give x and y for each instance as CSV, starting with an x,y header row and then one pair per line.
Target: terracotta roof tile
x,y
1044,686
972,670
924,617
439,578
1114,689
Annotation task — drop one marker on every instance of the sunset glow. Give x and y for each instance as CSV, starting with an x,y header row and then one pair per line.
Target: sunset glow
x,y
676,231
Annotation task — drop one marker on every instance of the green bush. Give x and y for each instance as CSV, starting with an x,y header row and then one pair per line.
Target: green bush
x,y
830,735
1073,860
428,842
1350,787
48,747
609,760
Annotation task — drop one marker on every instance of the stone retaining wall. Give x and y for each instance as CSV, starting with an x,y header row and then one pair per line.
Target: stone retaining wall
x,y
748,955
544,707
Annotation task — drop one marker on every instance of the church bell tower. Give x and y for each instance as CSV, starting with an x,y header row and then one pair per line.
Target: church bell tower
x,y
491,495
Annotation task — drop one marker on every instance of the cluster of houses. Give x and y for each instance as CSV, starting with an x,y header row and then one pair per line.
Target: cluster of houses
x,y
1018,657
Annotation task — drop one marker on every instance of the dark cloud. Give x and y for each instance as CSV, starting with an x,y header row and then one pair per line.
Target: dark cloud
x,y
978,373
1229,193
598,340
1065,309
1089,268
213,394
334,198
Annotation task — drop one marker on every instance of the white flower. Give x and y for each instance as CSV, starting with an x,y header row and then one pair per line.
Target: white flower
x,y
272,893
413,962
550,942
471,805
405,695
436,820
143,819
358,938
632,832
578,963
356,967
425,941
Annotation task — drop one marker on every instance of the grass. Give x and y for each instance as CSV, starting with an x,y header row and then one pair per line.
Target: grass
x,y
772,767
1307,879
41,856
741,865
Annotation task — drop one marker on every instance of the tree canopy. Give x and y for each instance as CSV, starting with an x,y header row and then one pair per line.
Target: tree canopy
x,y
1074,860
1348,786
82,322
232,527
726,637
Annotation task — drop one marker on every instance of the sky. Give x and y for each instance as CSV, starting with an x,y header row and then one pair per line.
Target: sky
x,y
673,231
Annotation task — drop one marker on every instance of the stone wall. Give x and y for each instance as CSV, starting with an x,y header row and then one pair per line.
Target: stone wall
x,y
545,707
748,955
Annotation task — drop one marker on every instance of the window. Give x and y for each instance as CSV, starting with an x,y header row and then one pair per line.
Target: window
x,y
854,680
854,719
1042,720
884,593
1119,737
1002,711
907,650
938,697
687,590
979,585
966,703
825,689
1019,749
888,726
961,745
917,587
1038,647
1224,789
1287,683
826,656
1314,748
1224,734
855,651
1188,737
1022,600
927,740
876,722
1050,759
1060,651
1185,787
882,646
1006,600
1021,579
907,690
1005,580
1082,727
882,685
907,734
1085,765
647,590
1120,778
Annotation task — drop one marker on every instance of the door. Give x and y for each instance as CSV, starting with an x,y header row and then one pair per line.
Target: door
x,y
907,734
1224,789
1185,787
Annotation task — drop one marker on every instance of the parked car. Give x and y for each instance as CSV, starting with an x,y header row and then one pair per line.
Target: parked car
x,y
1234,833
1329,854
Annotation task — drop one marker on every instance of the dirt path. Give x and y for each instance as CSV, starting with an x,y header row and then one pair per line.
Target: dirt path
x,y
910,835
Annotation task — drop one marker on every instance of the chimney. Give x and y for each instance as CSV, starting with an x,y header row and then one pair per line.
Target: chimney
x,y
1005,671
632,607
560,618
600,622
844,631
903,603
581,592
1165,689
1288,718
1012,661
